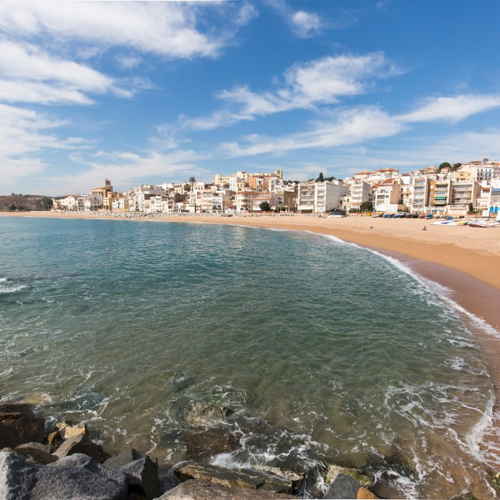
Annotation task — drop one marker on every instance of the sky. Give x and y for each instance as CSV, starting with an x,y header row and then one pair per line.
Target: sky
x,y
155,92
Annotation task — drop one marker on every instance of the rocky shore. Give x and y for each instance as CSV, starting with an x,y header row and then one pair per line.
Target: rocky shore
x,y
41,460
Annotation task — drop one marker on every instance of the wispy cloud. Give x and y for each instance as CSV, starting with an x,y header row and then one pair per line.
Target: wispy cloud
x,y
164,28
23,135
322,81
351,126
360,125
303,24
30,74
453,109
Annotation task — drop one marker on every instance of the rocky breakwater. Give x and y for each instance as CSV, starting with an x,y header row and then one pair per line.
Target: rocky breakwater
x,y
40,460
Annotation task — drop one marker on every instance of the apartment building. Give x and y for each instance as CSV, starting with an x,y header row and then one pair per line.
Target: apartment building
x,y
359,193
387,196
320,197
420,194
463,194
439,195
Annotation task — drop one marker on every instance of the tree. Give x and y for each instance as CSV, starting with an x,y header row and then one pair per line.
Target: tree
x,y
471,208
265,207
192,180
320,178
445,164
187,187
366,206
456,166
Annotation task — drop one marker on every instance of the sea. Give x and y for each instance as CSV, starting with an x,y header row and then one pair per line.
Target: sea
x,y
321,351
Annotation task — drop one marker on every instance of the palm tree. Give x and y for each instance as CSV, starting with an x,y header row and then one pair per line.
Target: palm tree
x,y
192,180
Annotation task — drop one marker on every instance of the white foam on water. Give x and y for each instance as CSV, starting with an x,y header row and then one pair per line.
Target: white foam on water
x,y
11,289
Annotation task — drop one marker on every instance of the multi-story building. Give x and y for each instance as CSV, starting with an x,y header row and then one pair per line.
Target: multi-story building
x,y
463,194
359,193
420,194
439,195
68,203
387,196
320,197
91,201
245,200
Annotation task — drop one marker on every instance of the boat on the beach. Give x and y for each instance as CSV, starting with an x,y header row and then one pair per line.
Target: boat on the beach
x,y
481,223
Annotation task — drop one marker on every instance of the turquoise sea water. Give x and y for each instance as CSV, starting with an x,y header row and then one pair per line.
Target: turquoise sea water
x,y
324,351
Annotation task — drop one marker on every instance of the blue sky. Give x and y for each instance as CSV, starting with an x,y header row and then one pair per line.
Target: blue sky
x,y
160,91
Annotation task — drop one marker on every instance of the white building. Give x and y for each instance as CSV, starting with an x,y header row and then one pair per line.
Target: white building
x,y
320,197
387,196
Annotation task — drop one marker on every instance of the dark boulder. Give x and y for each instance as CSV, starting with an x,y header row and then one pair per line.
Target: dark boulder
x,y
343,487
19,425
76,477
143,473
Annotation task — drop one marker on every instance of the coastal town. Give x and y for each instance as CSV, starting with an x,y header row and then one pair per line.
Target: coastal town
x,y
448,190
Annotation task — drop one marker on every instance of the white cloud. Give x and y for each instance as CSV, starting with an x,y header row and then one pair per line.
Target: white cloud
x,y
40,93
353,126
322,81
453,109
164,28
306,24
29,74
28,62
128,62
23,135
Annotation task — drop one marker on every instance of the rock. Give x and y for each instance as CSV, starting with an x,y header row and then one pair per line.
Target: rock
x,y
82,444
144,473
37,452
73,477
23,409
54,439
343,487
314,482
182,380
332,471
123,458
16,429
201,490
236,478
364,494
170,479
68,430
205,444
201,414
